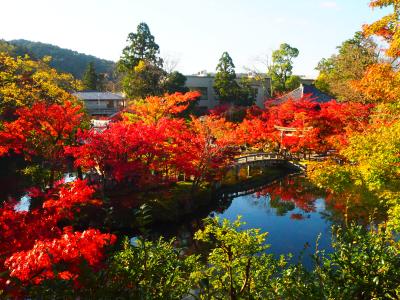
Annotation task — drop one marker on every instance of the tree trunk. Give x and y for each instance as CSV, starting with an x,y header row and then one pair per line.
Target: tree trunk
x,y
80,174
52,171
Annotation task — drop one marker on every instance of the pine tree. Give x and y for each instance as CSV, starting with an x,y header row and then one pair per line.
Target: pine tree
x,y
225,84
90,77
141,47
140,65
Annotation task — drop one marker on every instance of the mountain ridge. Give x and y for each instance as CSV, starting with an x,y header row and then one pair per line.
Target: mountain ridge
x,y
64,60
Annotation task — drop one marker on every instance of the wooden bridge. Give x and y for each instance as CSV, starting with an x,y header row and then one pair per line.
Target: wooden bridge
x,y
267,159
260,156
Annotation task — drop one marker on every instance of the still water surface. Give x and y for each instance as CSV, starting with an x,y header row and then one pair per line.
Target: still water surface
x,y
293,212
290,225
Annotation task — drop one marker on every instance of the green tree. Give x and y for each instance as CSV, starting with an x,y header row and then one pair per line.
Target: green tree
x,y
141,47
225,85
175,82
90,78
293,82
143,81
281,68
153,270
248,94
237,266
141,66
337,72
7,47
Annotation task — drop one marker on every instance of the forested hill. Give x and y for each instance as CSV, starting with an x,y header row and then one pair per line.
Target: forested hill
x,y
63,60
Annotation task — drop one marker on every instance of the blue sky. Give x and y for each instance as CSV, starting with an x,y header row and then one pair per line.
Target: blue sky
x,y
194,33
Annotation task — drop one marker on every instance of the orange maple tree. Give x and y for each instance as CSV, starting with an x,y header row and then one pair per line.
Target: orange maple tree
x,y
381,82
154,108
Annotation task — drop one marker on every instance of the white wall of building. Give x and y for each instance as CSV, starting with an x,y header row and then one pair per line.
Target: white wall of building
x,y
203,84
209,99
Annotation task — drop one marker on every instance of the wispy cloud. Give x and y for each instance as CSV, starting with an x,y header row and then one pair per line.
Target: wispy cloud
x,y
329,4
280,20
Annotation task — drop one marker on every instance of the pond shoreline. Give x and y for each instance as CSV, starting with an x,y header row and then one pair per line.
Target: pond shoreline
x,y
203,204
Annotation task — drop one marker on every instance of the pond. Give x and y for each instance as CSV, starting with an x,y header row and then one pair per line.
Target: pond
x,y
293,212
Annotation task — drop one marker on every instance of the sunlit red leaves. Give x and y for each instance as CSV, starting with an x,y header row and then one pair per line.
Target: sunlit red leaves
x,y
131,151
28,237
296,115
255,133
69,196
20,229
141,152
337,121
70,249
41,130
212,147
305,125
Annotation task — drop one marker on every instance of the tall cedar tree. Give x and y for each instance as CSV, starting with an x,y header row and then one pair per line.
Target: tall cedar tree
x,y
141,65
143,81
90,78
141,47
225,84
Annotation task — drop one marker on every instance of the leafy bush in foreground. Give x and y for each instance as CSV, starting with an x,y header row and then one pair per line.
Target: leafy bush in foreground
x,y
365,264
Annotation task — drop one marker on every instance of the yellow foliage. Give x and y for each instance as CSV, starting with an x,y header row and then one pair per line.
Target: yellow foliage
x,y
24,81
140,66
379,84
387,27
372,165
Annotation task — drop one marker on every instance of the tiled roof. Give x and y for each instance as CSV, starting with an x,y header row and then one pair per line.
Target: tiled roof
x,y
321,97
305,90
92,95
295,94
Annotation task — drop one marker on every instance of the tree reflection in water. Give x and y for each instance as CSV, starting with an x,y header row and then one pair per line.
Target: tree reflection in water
x,y
292,210
294,192
288,194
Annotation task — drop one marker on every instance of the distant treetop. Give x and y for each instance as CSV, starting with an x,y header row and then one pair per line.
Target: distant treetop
x,y
141,46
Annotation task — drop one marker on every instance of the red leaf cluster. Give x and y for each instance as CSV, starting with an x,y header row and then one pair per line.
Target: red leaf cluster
x,y
37,264
136,152
41,130
305,125
32,242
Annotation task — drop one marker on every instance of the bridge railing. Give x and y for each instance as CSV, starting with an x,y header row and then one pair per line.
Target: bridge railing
x,y
259,157
271,157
